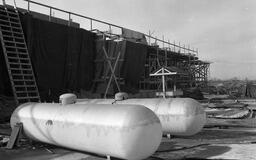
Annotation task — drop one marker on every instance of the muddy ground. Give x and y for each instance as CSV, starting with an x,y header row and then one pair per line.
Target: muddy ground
x,y
214,143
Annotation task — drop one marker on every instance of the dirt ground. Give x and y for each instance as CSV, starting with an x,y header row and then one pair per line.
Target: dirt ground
x,y
214,143
220,139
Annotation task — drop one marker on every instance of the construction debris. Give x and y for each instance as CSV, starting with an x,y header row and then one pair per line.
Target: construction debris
x,y
3,141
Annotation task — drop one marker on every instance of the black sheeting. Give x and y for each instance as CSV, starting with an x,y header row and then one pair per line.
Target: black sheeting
x,y
63,59
5,85
133,66
62,56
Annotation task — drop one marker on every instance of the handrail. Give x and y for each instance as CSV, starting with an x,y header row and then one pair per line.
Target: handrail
x,y
195,52
71,13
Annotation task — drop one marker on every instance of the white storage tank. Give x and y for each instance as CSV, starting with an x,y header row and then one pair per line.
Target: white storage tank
x,y
178,116
122,131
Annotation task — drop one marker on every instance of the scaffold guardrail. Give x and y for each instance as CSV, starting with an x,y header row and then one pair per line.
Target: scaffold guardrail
x,y
176,47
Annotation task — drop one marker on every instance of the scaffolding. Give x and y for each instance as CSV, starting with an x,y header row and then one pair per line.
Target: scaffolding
x,y
161,53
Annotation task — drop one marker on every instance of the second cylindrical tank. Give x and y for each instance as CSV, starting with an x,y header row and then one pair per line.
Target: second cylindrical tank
x,y
178,116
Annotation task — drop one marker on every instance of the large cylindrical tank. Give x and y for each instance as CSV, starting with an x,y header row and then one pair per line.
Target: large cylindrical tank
x,y
122,131
178,116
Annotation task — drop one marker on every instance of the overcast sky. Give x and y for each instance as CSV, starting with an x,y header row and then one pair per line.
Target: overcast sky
x,y
224,31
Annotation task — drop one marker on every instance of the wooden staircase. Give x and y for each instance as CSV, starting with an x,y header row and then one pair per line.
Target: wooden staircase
x,y
17,58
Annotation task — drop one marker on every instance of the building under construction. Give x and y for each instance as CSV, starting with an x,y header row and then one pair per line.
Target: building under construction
x,y
43,56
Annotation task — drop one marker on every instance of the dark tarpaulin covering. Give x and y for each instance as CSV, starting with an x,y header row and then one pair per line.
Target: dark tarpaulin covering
x,y
133,66
63,59
134,36
62,56
5,85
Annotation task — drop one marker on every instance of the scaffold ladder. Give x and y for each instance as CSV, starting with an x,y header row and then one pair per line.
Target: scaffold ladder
x,y
17,57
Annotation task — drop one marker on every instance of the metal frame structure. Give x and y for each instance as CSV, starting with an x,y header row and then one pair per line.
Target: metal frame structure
x,y
108,61
111,27
163,72
200,72
195,71
163,54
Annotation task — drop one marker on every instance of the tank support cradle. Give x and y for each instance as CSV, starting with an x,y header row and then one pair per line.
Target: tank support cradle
x,y
15,136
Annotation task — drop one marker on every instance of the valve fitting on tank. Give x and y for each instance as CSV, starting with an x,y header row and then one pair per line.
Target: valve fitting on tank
x,y
67,98
121,96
